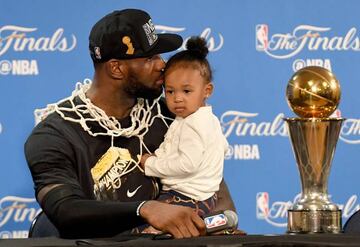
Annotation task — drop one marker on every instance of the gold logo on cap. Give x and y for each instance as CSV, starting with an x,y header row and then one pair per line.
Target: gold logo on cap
x,y
127,41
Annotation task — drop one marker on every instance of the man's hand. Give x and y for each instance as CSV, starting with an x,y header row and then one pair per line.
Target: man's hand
x,y
179,221
143,160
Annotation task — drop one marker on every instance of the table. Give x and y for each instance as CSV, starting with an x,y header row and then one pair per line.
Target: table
x,y
210,241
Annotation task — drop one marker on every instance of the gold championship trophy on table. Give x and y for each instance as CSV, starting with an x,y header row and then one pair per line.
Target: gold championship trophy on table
x,y
313,93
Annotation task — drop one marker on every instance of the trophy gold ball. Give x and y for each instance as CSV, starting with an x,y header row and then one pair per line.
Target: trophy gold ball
x,y
313,92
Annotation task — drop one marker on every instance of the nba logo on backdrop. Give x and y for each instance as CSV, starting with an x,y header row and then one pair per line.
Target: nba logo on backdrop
x,y
262,205
262,41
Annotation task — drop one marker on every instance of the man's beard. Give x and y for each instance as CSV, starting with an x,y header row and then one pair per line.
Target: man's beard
x,y
137,89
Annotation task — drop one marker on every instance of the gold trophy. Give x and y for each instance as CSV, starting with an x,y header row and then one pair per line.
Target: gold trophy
x,y
313,93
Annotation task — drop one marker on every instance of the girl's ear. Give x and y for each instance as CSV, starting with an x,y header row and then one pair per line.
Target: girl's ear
x,y
209,89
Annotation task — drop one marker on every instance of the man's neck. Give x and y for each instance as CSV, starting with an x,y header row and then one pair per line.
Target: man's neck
x,y
113,101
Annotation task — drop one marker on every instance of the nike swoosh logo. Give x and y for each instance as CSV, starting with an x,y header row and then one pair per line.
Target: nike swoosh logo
x,y
132,193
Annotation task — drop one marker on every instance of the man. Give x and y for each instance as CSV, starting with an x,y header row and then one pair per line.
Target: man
x,y
83,156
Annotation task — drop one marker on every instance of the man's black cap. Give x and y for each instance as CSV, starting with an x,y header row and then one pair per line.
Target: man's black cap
x,y
128,34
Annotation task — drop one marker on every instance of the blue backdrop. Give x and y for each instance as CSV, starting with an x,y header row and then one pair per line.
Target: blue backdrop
x,y
256,45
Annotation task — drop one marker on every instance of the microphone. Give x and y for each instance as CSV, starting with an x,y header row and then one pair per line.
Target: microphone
x,y
214,222
220,220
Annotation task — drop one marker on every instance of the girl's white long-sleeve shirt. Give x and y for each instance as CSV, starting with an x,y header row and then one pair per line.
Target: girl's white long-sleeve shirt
x,y
191,158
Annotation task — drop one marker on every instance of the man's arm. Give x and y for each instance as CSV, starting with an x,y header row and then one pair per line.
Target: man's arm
x,y
76,217
224,198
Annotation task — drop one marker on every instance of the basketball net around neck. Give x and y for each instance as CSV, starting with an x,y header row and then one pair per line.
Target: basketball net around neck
x,y
141,116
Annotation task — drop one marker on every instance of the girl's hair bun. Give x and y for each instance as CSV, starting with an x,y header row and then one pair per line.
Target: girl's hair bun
x,y
197,46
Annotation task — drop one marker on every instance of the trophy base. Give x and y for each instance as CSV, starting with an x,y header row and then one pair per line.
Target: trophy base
x,y
310,221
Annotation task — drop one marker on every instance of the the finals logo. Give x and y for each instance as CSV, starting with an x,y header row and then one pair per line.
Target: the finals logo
x,y
312,38
24,39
